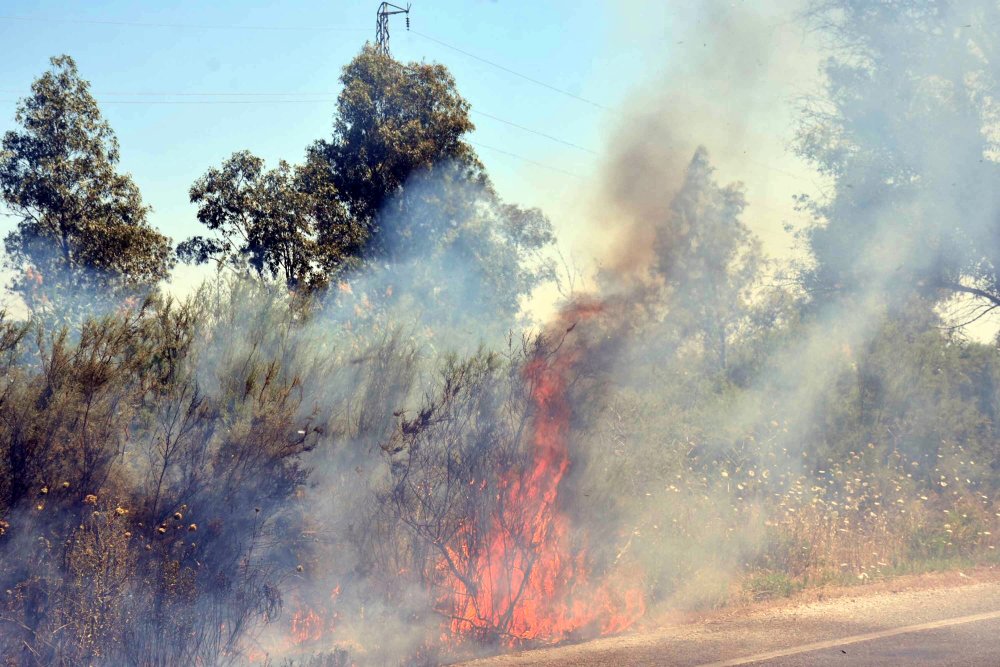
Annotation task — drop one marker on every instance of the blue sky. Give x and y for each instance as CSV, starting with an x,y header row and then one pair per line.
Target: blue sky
x,y
167,145
609,52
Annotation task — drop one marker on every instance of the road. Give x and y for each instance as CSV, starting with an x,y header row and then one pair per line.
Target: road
x,y
942,621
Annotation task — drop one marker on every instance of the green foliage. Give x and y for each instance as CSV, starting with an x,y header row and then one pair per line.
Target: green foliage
x,y
137,490
82,241
901,133
285,223
913,388
396,191
770,585
303,225
165,469
459,254
162,411
393,121
709,264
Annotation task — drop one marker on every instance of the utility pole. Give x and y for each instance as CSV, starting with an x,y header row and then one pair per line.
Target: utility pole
x,y
385,10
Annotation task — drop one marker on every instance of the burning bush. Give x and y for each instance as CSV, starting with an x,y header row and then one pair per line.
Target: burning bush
x,y
477,474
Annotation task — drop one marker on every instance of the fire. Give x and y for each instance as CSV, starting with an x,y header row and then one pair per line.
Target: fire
x,y
529,581
307,626
512,567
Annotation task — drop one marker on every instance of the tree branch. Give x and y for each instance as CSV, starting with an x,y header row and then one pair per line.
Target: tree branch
x,y
975,291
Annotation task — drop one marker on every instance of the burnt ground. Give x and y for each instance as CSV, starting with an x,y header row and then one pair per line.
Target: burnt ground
x,y
936,619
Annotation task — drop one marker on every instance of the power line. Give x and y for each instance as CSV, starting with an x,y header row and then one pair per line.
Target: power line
x,y
196,26
318,95
510,71
139,24
197,102
143,24
474,143
149,94
316,99
294,101
528,129
524,159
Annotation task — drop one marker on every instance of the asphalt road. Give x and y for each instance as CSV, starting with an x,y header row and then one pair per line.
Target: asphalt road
x,y
964,641
953,624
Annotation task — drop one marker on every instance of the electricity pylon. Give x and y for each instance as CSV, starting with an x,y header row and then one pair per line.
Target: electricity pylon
x,y
385,10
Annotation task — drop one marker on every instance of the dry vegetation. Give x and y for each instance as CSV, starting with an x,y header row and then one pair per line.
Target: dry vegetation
x,y
355,450
174,493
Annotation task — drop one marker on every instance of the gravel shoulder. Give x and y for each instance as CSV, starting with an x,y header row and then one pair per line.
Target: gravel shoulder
x,y
815,615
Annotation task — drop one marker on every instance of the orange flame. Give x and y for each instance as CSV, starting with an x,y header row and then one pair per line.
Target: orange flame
x,y
530,582
307,626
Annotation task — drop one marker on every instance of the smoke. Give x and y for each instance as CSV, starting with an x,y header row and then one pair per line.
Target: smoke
x,y
721,75
688,411
442,479
940,140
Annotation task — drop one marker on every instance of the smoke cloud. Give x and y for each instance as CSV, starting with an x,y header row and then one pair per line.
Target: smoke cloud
x,y
692,430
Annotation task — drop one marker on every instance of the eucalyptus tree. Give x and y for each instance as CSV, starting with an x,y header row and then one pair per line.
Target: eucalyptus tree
x,y
83,240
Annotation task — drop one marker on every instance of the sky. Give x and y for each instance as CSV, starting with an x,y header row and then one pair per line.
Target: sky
x,y
186,84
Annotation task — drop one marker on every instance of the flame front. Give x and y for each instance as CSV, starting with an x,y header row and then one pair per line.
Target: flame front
x,y
531,581
307,626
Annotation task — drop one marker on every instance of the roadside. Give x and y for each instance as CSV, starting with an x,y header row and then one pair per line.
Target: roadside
x,y
811,617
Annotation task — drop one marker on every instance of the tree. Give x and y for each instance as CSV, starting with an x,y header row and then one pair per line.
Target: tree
x,y
284,224
393,121
906,133
396,190
83,239
405,174
708,260
461,253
